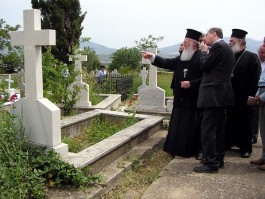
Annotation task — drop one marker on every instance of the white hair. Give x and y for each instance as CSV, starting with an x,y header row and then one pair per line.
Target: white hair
x,y
187,53
236,48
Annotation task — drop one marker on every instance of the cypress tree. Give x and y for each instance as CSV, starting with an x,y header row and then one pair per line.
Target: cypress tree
x,y
65,17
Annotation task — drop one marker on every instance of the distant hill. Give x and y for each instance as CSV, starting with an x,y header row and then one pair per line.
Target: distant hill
x,y
99,49
172,51
104,52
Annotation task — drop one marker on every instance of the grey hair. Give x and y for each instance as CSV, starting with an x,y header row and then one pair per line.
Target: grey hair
x,y
218,31
243,41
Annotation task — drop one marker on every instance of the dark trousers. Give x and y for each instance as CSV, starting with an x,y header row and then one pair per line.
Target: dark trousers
x,y
254,120
213,135
238,132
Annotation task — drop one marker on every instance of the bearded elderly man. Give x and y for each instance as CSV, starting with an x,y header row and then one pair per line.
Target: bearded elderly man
x,y
244,78
183,137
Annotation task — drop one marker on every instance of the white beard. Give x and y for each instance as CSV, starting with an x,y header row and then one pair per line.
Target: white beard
x,y
236,48
187,54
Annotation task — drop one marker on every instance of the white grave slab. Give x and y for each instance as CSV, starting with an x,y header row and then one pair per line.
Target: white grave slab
x,y
152,98
40,117
84,88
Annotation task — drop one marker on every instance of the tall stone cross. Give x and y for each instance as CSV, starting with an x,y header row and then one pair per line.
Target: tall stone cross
x,y
78,64
152,98
84,88
32,38
153,69
41,118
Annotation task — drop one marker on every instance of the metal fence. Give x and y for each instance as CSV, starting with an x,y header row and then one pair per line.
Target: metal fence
x,y
116,83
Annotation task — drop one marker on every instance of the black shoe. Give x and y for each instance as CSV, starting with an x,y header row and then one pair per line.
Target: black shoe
x,y
245,155
199,156
221,164
254,140
206,169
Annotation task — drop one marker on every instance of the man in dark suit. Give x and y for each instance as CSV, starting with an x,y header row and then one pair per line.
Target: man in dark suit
x,y
214,94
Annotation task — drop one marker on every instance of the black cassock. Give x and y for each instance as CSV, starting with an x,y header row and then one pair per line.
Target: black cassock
x,y
183,137
244,78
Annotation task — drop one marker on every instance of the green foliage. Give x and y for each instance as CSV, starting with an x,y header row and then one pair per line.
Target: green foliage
x,y
164,81
92,62
11,58
58,82
26,171
100,129
66,18
149,42
94,90
129,57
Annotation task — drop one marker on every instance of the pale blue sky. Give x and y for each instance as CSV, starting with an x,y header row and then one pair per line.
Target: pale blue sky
x,y
118,23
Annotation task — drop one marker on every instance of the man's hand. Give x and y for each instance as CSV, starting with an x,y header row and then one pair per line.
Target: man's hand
x,y
251,100
147,55
185,84
203,47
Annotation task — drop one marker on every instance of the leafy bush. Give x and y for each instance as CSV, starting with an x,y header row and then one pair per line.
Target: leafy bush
x,y
26,171
58,82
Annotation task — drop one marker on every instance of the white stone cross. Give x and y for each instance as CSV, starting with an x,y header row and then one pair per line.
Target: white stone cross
x,y
84,88
144,74
32,38
153,71
9,80
78,64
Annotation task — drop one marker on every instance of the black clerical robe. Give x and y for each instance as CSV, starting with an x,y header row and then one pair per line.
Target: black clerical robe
x,y
244,78
183,137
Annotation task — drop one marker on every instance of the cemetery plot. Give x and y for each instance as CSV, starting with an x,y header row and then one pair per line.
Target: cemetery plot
x,y
99,128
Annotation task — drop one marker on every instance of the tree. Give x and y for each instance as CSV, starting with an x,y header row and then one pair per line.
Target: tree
x,y
66,18
149,42
10,57
129,57
92,59
59,82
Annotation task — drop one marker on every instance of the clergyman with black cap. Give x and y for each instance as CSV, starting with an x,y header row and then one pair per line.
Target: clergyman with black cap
x,y
183,137
244,77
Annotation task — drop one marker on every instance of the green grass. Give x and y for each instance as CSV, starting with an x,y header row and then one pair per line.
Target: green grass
x,y
143,173
164,81
99,130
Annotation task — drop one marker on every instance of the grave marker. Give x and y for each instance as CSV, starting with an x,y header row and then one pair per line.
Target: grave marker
x,y
84,88
40,117
152,98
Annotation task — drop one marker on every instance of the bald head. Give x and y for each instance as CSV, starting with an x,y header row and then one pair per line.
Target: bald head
x,y
261,52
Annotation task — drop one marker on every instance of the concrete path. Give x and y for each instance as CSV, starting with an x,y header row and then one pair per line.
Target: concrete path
x,y
237,180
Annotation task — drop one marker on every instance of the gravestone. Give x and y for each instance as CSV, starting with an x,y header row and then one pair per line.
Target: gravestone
x,y
152,98
10,91
114,72
143,74
40,117
21,82
84,88
92,73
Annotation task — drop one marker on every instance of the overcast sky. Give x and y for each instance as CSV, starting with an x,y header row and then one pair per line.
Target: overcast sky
x,y
119,23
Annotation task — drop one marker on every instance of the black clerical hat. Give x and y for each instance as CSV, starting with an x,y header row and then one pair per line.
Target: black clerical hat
x,y
193,34
238,33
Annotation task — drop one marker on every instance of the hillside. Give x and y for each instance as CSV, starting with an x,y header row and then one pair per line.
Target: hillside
x,y
104,52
